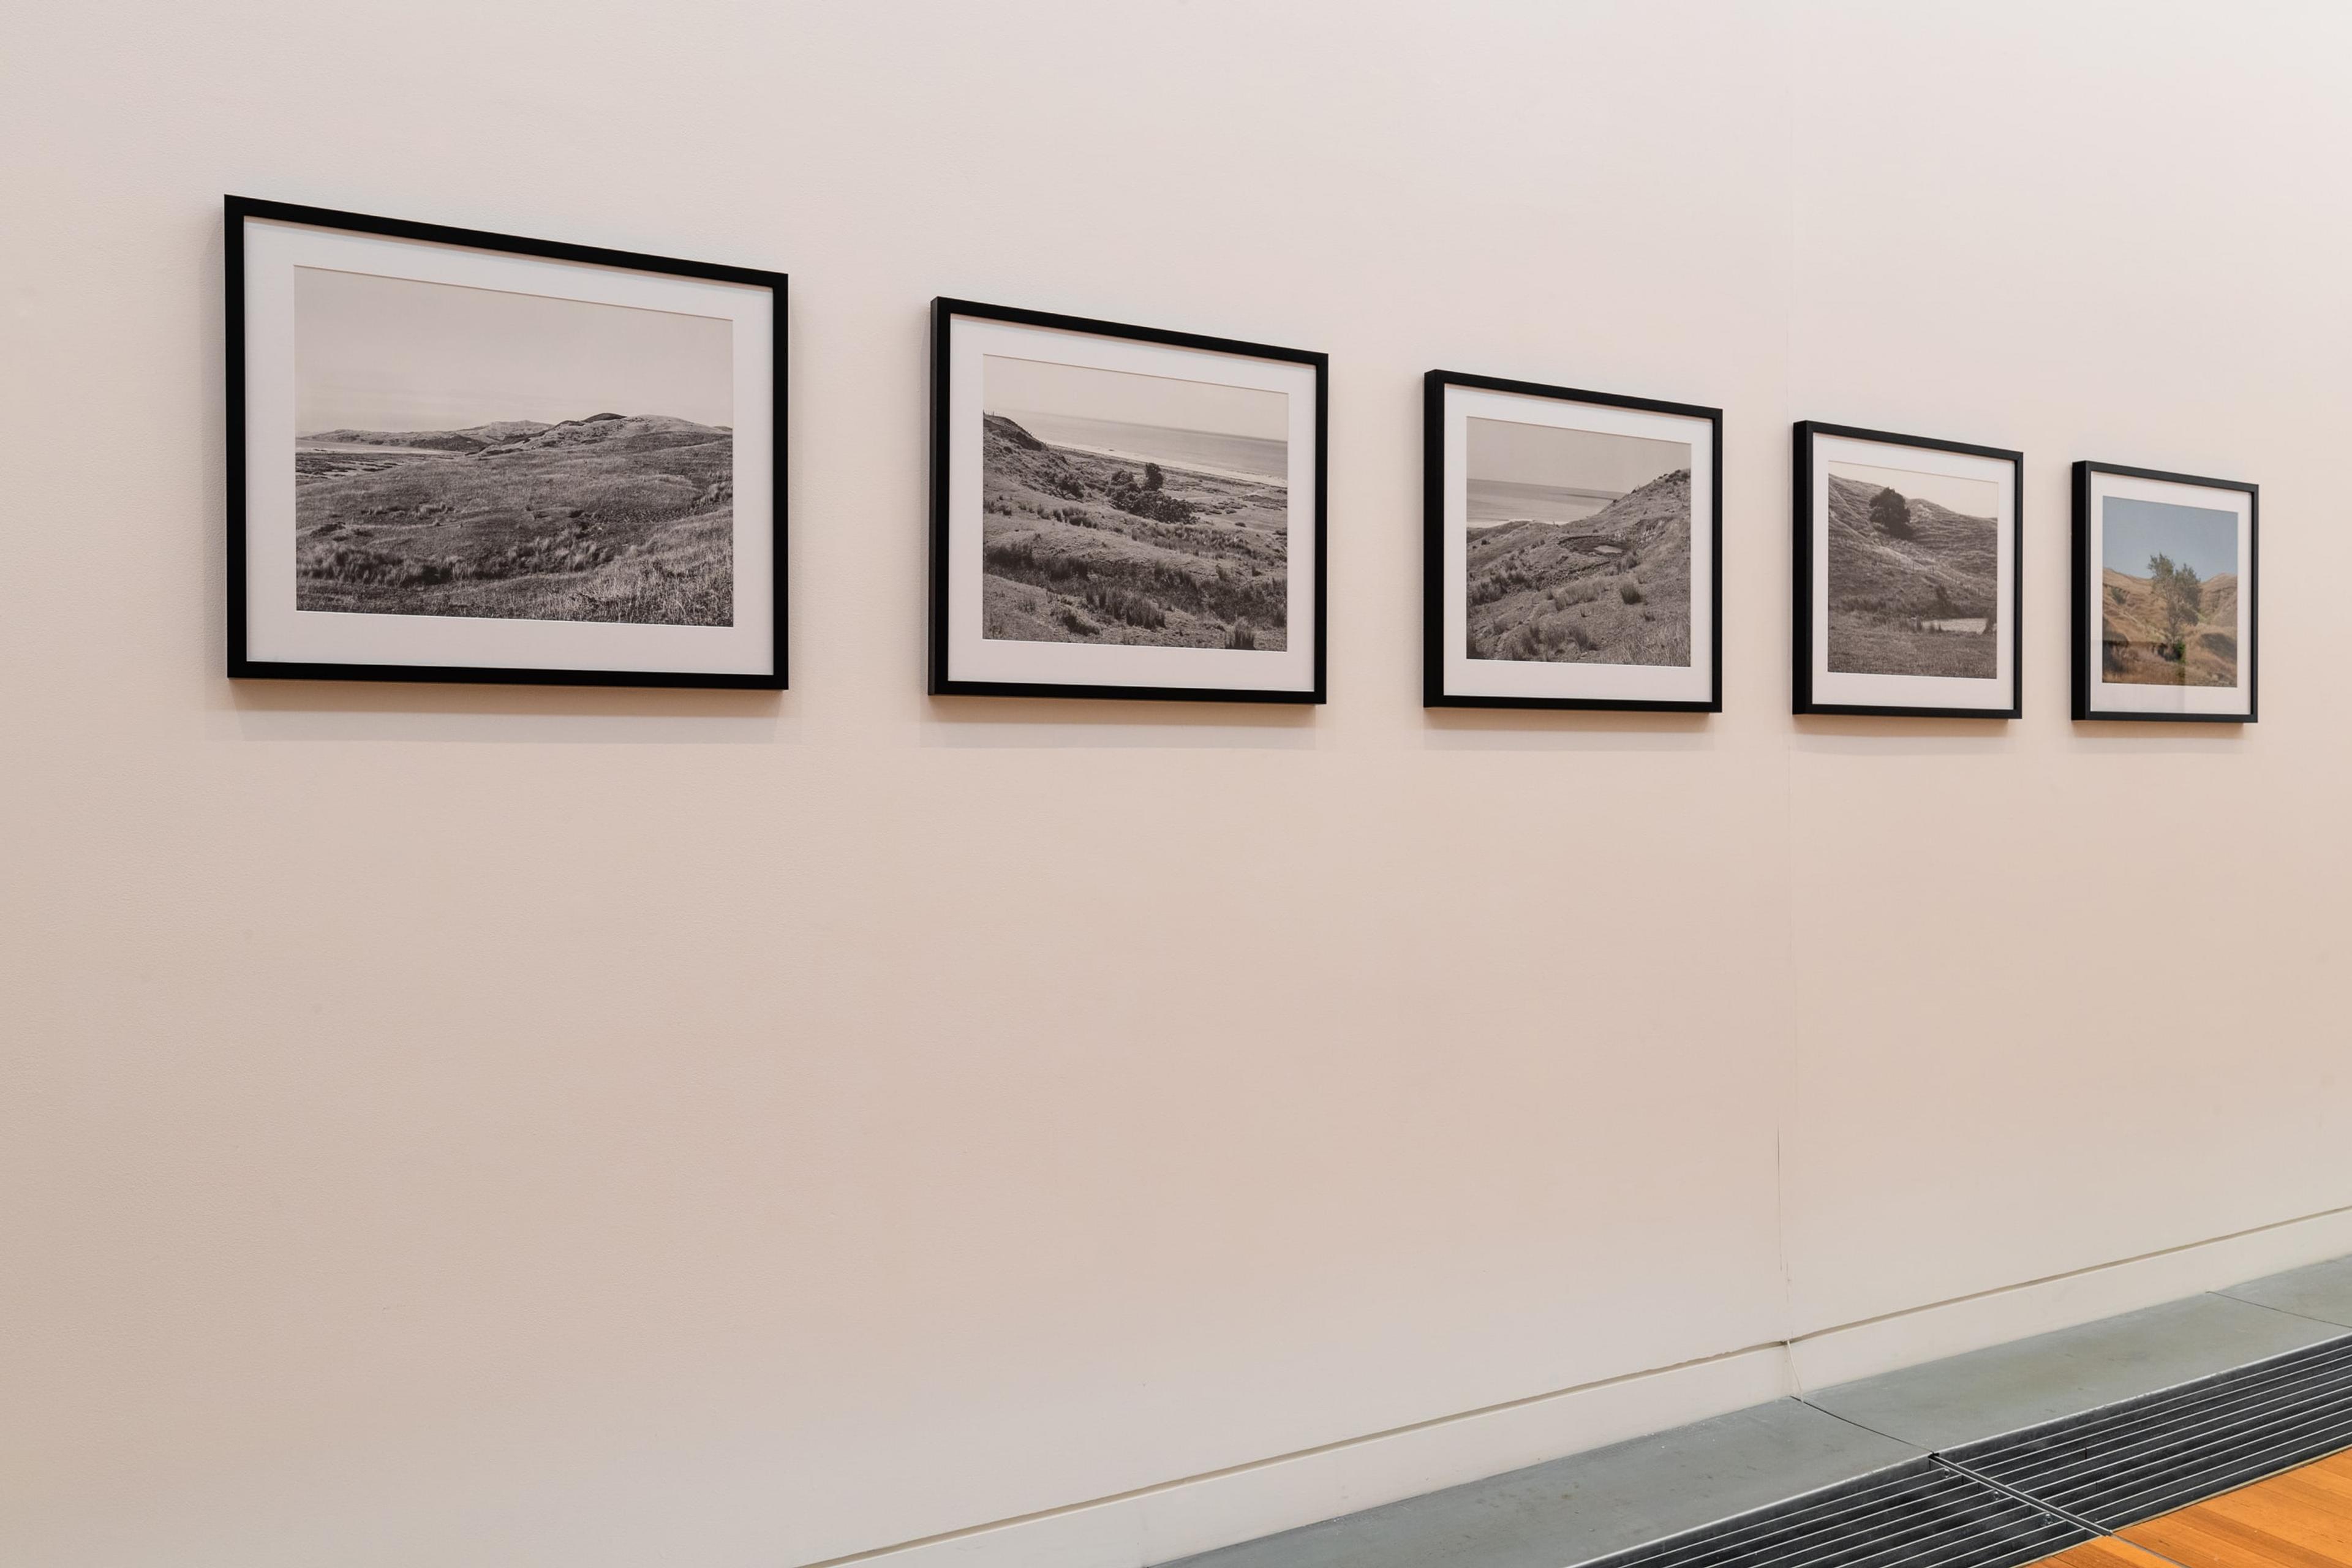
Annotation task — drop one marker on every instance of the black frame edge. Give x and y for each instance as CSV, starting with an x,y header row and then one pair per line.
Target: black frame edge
x,y
1801,570
234,212
941,683
238,210
1433,550
2078,657
1433,648
2078,612
936,612
1802,583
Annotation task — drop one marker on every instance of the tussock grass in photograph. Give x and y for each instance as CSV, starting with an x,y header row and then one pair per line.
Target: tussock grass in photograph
x,y
2167,594
453,458
1127,509
1914,573
1578,546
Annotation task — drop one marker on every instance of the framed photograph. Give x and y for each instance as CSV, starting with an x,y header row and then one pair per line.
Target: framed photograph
x,y
1118,511
457,455
1906,577
1570,549
2165,596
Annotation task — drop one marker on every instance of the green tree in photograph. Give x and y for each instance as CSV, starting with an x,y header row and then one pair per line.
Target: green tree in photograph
x,y
1890,514
1151,476
2179,597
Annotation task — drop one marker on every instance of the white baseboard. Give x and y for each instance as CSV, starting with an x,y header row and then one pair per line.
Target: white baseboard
x,y
2017,1312
1162,1523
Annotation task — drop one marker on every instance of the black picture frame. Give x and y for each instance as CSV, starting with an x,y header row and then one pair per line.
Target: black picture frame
x,y
1436,484
943,681
1802,608
2083,626
235,213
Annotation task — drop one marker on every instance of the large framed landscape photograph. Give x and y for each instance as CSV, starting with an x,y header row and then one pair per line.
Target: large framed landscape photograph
x,y
1905,575
458,455
2165,596
1570,549
1123,512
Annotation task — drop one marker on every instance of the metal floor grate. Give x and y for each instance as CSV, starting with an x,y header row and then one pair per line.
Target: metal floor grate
x,y
1920,1515
2129,1463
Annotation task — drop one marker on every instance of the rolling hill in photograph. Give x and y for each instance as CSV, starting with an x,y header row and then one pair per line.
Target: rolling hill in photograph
x,y
1079,547
608,517
1912,590
1610,588
2134,626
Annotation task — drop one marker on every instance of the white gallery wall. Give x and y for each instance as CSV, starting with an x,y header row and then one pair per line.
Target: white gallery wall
x,y
510,1126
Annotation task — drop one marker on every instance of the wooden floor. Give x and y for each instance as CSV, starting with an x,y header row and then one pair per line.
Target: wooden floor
x,y
2108,1552
2300,1520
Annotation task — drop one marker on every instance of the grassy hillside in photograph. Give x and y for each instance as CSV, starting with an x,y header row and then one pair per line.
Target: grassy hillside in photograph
x,y
1914,588
609,518
1613,588
2142,643
1080,547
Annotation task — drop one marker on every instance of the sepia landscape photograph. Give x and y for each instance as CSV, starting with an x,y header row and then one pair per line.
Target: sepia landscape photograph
x,y
1914,573
2167,594
472,452
1578,546
1127,509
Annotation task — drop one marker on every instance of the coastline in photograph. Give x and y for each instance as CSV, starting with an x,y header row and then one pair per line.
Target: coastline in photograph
x,y
2167,594
1915,572
1578,546
470,452
1120,508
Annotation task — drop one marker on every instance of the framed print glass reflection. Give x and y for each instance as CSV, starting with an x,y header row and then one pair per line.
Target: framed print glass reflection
x,y
457,455
1905,575
1570,542
1120,511
2165,596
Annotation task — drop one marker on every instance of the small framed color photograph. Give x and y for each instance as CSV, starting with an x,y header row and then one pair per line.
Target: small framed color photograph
x,y
1905,579
1120,511
2165,596
457,455
1570,542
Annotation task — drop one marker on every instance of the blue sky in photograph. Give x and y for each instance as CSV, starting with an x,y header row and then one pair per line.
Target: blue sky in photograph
x,y
2132,530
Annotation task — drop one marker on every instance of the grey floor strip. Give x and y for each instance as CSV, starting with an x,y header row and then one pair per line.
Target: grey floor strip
x,y
2323,1291
1969,1398
1595,1504
2084,1524
2120,1466
1990,1459
1924,1515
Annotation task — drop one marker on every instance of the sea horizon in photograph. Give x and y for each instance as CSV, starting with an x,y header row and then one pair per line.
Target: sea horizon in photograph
x,y
2167,594
1914,573
470,452
1125,509
1207,451
1576,546
1510,501
362,442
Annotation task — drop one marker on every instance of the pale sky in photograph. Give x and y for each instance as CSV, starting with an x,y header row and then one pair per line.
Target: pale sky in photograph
x,y
1513,453
2131,530
393,353
1970,498
1016,386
